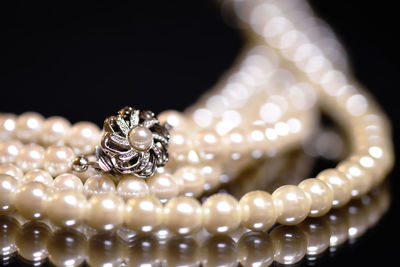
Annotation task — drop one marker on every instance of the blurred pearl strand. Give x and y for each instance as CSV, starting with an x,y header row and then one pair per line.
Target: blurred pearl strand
x,y
264,106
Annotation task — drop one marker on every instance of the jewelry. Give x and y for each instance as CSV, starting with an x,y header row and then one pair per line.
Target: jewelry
x,y
267,104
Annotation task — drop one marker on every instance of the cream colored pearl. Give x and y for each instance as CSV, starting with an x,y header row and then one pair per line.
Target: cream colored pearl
x,y
84,137
221,214
67,181
30,157
8,185
105,212
320,195
258,211
55,130
131,186
371,165
340,185
9,150
179,146
58,159
256,138
30,199
144,214
7,125
182,215
236,142
291,204
208,144
360,178
192,182
66,208
28,126
11,170
38,176
140,138
173,118
98,184
163,186
211,173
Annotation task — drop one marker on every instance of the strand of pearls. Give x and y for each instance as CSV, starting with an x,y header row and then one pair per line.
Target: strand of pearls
x,y
296,66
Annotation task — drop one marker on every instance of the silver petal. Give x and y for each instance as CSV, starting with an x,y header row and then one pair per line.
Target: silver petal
x,y
128,155
160,155
144,160
134,118
150,122
123,141
122,125
160,138
110,145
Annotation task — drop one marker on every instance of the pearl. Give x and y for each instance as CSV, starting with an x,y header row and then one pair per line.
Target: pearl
x,y
7,125
360,178
58,159
9,150
140,138
55,130
98,184
28,126
340,185
320,195
211,173
173,118
8,185
84,137
30,157
208,144
105,212
179,146
131,186
291,204
66,208
38,176
29,200
163,186
182,215
191,180
11,170
67,181
143,214
221,214
258,211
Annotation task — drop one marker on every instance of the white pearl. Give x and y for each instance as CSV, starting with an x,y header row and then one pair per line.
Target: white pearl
x,y
30,157
55,129
11,170
84,137
98,184
9,149
38,176
7,125
141,138
131,186
67,181
58,159
28,126
8,185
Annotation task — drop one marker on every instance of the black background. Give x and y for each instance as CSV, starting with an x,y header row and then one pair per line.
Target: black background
x,y
85,61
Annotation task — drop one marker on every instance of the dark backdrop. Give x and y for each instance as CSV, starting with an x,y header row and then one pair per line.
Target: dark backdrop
x,y
84,61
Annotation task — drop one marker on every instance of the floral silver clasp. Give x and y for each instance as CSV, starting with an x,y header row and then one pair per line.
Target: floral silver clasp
x,y
133,142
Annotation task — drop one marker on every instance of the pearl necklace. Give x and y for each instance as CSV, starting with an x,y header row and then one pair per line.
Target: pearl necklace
x,y
265,105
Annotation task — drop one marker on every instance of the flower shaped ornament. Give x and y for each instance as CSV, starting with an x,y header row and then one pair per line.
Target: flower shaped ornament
x,y
133,142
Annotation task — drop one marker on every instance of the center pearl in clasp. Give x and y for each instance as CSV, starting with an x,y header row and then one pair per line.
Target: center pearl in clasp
x,y
140,138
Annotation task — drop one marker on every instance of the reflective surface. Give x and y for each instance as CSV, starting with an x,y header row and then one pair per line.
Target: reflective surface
x,y
37,243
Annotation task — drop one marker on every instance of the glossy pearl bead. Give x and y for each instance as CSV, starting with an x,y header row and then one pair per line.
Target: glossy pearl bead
x,y
320,195
339,184
98,184
28,126
105,212
67,181
221,214
30,157
360,178
258,211
163,186
131,186
66,208
11,170
191,180
291,204
84,137
8,185
58,159
7,125
38,176
55,130
144,214
182,215
140,138
30,199
9,150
